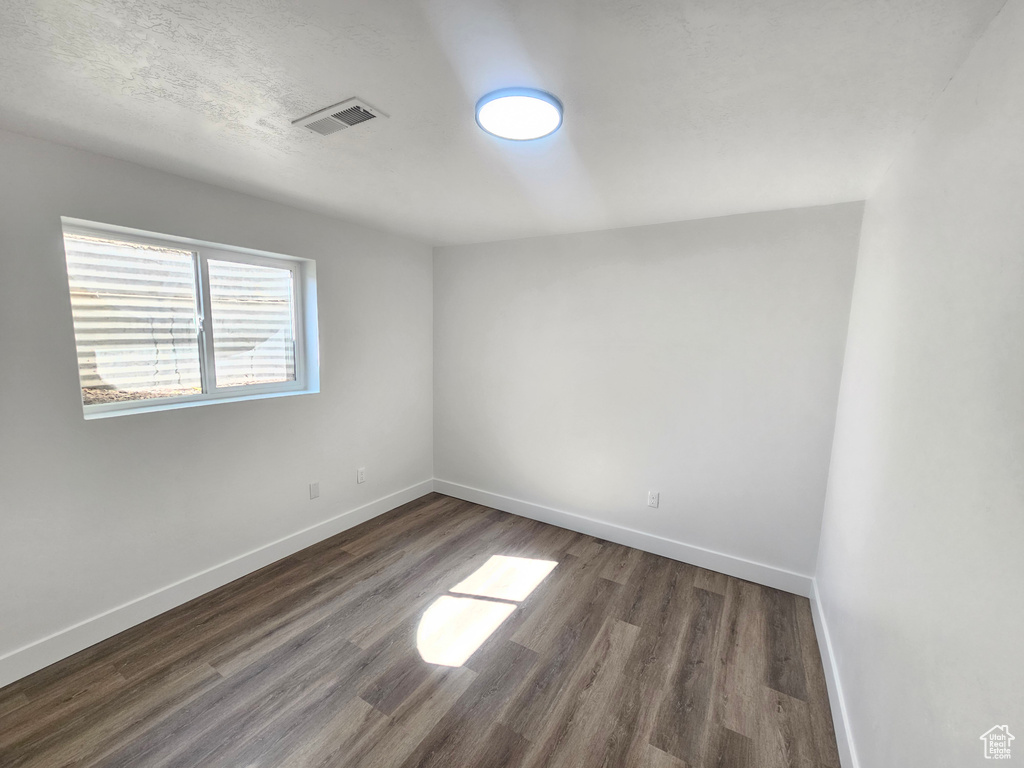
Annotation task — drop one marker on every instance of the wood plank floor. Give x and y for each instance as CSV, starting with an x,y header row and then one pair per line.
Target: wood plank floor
x,y
616,658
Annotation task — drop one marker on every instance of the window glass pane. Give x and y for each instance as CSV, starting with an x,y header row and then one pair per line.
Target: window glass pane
x,y
134,309
253,323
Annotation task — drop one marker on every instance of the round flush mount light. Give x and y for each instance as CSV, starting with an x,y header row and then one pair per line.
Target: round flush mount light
x,y
519,114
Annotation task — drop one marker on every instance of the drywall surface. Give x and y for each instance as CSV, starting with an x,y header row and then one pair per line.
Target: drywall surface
x,y
920,572
94,514
673,110
698,359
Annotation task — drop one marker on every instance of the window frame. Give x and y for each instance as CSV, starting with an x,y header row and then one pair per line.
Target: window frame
x,y
304,318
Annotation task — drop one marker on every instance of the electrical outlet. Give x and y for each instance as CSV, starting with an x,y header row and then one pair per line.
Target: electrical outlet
x,y
653,499
361,475
314,491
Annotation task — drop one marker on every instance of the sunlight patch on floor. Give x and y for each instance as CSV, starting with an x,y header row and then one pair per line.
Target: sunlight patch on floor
x,y
453,628
506,578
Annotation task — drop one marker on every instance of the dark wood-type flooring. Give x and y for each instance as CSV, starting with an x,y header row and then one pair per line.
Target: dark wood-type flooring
x,y
617,658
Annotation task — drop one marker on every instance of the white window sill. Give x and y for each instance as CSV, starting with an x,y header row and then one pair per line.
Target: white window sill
x,y
150,406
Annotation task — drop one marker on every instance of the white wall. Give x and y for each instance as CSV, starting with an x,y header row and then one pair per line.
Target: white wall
x,y
921,573
700,359
94,514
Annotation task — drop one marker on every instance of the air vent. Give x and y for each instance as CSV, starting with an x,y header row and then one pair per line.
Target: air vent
x,y
339,117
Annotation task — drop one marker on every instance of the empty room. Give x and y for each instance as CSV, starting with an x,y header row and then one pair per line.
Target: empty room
x,y
511,383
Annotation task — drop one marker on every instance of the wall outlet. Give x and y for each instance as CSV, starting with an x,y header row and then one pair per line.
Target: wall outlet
x,y
361,475
314,490
653,499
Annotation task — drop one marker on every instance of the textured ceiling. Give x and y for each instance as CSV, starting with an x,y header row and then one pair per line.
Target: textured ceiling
x,y
675,109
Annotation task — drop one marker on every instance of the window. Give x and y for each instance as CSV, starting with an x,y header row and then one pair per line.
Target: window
x,y
163,322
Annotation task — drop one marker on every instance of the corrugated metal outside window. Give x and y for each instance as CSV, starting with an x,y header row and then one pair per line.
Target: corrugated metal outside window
x,y
253,328
155,321
135,313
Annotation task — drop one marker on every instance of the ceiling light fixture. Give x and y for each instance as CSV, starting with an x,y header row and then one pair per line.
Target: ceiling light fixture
x,y
519,114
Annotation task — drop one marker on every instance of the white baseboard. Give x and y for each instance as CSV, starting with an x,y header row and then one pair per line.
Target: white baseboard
x,y
769,576
840,719
41,653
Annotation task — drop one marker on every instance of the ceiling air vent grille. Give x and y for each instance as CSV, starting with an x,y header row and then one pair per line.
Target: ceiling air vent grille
x,y
353,115
339,117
